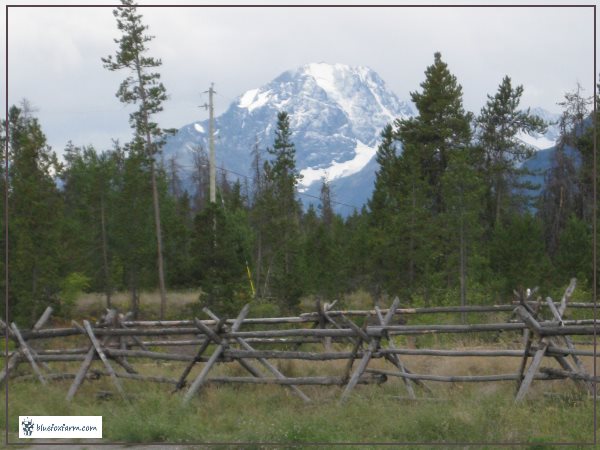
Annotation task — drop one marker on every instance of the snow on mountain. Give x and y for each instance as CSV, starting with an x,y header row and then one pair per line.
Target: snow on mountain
x,y
336,115
548,139
336,170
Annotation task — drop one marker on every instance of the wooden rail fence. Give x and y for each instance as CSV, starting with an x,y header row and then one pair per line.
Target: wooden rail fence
x,y
116,339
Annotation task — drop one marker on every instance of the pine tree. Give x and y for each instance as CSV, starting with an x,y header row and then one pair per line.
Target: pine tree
x,y
415,241
499,124
35,217
133,229
219,259
282,218
463,192
325,206
440,126
144,88
384,199
88,193
518,257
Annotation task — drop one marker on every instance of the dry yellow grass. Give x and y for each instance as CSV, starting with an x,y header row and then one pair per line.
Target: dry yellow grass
x,y
177,301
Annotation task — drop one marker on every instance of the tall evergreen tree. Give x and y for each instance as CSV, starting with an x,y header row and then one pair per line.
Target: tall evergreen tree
x,y
384,199
282,218
35,217
219,259
414,240
499,124
440,126
89,195
142,87
463,191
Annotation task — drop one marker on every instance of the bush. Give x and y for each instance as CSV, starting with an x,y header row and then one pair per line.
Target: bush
x,y
70,289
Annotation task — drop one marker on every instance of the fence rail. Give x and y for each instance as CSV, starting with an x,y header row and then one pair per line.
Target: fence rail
x,y
116,340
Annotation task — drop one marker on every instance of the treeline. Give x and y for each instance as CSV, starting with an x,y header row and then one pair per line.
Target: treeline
x,y
450,220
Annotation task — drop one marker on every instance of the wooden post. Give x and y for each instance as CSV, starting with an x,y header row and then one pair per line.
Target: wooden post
x,y
567,340
98,347
373,346
200,379
43,319
355,349
567,296
264,362
26,351
395,359
533,368
199,353
87,362
523,313
217,340
13,361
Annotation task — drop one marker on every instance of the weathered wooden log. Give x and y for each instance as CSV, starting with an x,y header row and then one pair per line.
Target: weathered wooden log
x,y
28,353
355,350
546,329
198,357
199,381
264,362
373,346
11,364
531,372
154,379
124,364
365,379
199,341
217,340
394,359
578,376
100,352
566,339
283,354
527,335
337,325
462,378
152,355
450,353
87,362
566,297
43,319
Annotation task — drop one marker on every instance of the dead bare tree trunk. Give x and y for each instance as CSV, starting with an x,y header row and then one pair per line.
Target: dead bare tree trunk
x,y
107,287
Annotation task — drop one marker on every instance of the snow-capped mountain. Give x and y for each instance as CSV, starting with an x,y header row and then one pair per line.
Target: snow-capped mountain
x,y
336,115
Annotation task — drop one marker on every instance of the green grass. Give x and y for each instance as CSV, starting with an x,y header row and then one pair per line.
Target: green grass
x,y
270,414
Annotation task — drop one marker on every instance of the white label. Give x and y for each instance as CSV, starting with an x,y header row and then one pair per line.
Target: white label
x,y
60,427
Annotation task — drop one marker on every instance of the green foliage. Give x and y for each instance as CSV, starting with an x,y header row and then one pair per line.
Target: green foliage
x,y
141,87
440,126
222,242
71,288
517,255
498,125
35,217
574,255
280,211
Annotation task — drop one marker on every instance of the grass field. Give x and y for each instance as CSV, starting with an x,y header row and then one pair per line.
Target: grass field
x,y
249,413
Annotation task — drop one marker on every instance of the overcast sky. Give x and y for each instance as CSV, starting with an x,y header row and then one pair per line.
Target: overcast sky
x,y
54,56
